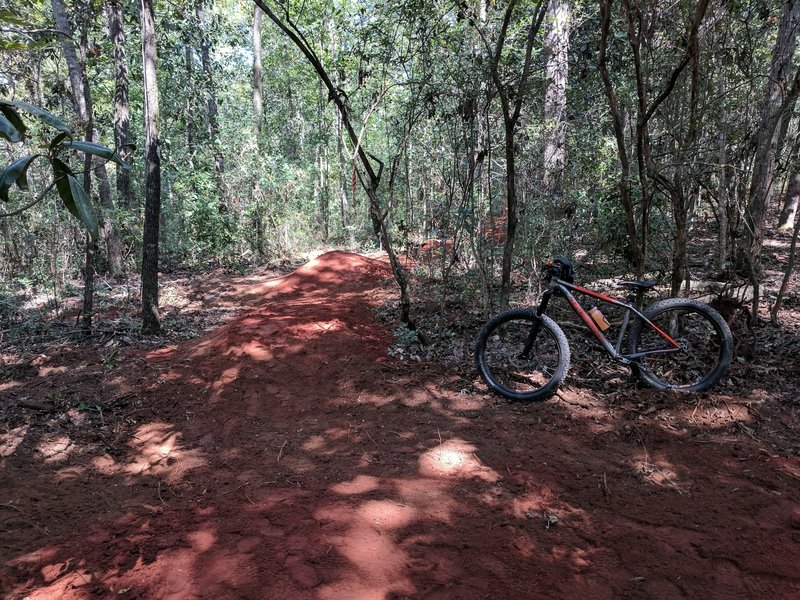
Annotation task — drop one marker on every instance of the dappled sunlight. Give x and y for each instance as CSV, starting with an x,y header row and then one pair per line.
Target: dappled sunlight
x,y
455,458
534,504
317,327
73,575
362,484
9,385
432,499
158,452
10,440
368,544
55,449
227,377
385,515
716,416
578,559
467,402
46,371
253,349
660,472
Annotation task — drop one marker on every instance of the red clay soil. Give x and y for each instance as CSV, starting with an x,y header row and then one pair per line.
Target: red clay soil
x,y
287,456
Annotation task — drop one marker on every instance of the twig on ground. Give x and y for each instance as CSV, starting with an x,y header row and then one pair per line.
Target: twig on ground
x,y
280,452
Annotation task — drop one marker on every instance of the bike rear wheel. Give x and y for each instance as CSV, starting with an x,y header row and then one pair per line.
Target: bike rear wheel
x,y
705,339
499,350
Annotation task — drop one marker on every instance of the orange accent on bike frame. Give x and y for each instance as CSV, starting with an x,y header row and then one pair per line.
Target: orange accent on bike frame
x,y
594,294
665,335
586,317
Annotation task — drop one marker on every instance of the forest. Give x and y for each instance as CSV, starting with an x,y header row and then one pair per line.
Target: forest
x,y
248,249
493,135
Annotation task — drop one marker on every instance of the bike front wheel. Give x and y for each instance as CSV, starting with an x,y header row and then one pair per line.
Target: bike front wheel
x,y
706,345
522,356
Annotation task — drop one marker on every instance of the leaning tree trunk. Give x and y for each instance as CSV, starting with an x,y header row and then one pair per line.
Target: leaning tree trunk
x,y
151,322
373,178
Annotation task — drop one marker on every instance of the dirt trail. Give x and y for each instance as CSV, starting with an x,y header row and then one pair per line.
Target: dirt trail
x,y
286,456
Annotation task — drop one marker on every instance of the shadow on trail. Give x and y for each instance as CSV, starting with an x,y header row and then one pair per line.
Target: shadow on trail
x,y
284,456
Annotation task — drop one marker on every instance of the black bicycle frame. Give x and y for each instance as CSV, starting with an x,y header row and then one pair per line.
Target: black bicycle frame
x,y
564,288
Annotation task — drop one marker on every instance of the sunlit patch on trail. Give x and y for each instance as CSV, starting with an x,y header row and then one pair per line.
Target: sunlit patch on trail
x,y
660,472
317,327
11,439
455,458
158,452
368,543
55,449
360,485
253,349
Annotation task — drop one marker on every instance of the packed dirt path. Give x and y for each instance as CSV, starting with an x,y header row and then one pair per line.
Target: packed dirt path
x,y
287,456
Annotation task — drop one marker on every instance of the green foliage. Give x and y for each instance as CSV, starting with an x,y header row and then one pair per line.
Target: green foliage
x,y
416,81
71,192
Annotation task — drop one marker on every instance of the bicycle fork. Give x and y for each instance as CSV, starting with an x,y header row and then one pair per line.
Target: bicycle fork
x,y
537,324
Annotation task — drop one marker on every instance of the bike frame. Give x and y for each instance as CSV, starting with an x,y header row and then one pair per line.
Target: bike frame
x,y
565,288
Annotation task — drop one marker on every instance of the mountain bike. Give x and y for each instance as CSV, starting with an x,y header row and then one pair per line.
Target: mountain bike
x,y
675,344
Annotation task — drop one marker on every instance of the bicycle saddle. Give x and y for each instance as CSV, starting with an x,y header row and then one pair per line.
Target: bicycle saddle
x,y
638,285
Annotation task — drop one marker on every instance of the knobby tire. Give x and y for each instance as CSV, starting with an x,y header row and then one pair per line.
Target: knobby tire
x,y
498,349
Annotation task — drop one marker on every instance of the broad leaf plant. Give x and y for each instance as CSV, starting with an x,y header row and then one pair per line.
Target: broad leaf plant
x,y
14,130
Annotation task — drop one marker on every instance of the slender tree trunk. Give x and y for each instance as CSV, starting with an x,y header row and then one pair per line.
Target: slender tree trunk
x,y
109,232
258,72
212,109
619,134
555,101
151,322
723,194
77,80
189,105
511,114
122,125
790,203
787,276
779,89
372,178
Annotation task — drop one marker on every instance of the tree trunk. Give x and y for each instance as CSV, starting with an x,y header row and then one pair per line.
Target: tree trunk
x,y
723,193
787,275
122,125
151,322
619,135
511,114
258,72
372,177
212,109
109,233
790,203
779,90
555,102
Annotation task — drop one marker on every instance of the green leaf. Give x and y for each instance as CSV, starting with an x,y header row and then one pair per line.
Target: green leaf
x,y
9,46
40,113
11,125
75,198
16,172
9,17
96,149
57,140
